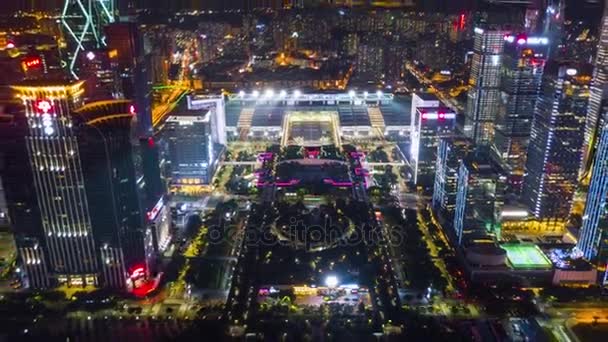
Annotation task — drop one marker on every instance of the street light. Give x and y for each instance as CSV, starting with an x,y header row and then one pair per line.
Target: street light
x,y
331,281
297,93
351,93
255,93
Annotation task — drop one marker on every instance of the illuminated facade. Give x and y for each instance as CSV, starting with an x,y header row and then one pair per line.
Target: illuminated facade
x,y
484,96
82,22
430,125
190,147
521,77
479,198
598,94
85,222
593,241
450,152
556,141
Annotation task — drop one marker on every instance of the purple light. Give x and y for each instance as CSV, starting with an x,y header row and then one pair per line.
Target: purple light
x,y
338,184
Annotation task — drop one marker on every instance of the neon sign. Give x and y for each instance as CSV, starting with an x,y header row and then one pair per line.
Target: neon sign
x,y
44,108
31,62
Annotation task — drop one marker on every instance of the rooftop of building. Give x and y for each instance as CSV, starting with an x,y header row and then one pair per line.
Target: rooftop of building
x,y
426,96
99,112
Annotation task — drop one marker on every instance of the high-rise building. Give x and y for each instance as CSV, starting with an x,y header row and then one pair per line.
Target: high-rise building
x,y
484,95
79,222
450,153
191,150
556,141
521,77
134,64
99,71
479,197
126,41
431,124
82,23
599,92
593,237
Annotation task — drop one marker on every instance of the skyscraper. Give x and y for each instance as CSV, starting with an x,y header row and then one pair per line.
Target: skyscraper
x,y
191,151
593,238
556,140
479,197
599,86
82,22
484,95
521,77
430,125
450,152
87,228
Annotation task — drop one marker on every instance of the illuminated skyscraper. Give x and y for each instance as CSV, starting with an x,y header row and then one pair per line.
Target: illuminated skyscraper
x,y
479,197
593,238
556,140
82,22
521,77
484,95
450,152
599,86
80,221
430,125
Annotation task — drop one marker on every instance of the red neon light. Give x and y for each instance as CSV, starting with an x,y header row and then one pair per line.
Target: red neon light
x,y
521,39
35,61
150,142
138,271
462,21
44,106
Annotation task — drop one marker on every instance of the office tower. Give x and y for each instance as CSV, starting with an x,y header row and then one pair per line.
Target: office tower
x,y
430,125
598,93
191,149
99,71
484,96
82,24
521,77
421,100
108,169
479,197
556,141
21,198
126,39
133,64
593,238
450,152
83,225
553,22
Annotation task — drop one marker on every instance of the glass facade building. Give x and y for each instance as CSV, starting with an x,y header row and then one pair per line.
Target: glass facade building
x,y
479,197
521,77
74,202
431,124
556,141
593,238
484,96
450,152
598,93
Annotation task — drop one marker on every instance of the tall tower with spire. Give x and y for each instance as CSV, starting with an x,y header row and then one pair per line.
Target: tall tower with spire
x,y
82,22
